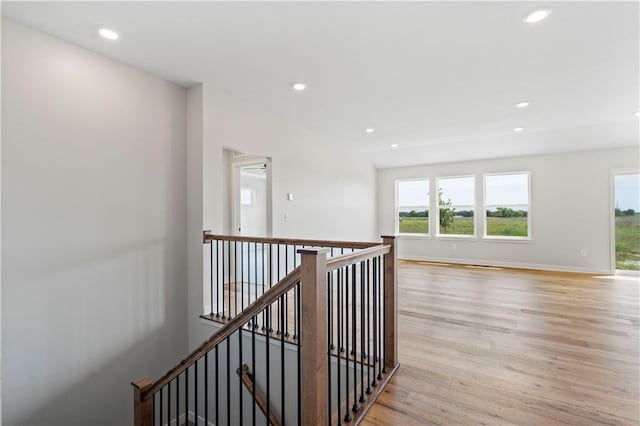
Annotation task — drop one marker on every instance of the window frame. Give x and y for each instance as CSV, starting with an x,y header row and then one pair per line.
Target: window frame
x,y
426,207
473,207
485,206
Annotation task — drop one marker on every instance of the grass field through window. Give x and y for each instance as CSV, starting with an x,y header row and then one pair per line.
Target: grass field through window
x,y
496,226
507,226
414,225
628,242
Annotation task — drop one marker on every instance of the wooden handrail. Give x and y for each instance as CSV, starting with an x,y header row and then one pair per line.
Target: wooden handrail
x,y
268,298
352,258
293,241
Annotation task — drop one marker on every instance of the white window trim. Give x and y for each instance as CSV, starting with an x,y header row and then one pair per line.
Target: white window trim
x,y
396,219
506,238
473,236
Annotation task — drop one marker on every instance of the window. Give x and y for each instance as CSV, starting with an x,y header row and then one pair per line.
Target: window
x,y
456,205
412,206
246,196
506,202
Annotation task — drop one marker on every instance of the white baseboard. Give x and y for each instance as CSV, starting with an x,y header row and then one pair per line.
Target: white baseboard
x,y
501,264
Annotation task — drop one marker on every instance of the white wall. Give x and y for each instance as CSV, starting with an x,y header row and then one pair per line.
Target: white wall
x,y
94,231
334,188
570,210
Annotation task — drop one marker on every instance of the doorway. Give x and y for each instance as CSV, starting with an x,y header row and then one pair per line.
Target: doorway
x,y
252,198
251,203
626,226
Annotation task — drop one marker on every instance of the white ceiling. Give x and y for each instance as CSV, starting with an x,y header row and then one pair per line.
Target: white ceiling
x,y
440,79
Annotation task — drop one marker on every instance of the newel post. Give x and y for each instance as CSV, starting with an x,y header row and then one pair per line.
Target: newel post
x,y
390,304
142,415
313,336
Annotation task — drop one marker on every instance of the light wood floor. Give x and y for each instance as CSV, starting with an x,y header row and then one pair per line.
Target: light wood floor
x,y
501,346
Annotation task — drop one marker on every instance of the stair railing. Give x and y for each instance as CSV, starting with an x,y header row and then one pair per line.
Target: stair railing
x,y
345,351
242,268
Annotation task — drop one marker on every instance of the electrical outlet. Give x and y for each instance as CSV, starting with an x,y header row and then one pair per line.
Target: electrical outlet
x,y
583,252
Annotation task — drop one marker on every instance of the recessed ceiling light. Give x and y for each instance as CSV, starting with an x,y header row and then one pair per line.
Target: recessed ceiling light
x,y
369,130
394,145
637,113
299,87
518,129
536,15
522,104
108,34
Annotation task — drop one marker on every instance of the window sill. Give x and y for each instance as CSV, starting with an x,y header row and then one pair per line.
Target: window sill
x,y
521,240
414,236
456,237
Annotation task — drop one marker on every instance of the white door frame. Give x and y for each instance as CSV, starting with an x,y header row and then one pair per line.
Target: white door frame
x,y
235,165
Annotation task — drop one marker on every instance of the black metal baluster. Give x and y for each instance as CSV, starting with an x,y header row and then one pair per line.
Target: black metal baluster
x,y
354,339
268,364
228,282
282,366
384,321
235,273
169,402
368,356
240,393
211,270
219,259
340,348
279,303
217,388
228,340
286,295
241,277
297,315
362,329
235,279
186,393
178,395
253,370
161,410
380,323
373,358
329,339
247,278
295,297
270,312
347,415
195,393
265,312
206,389
331,307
